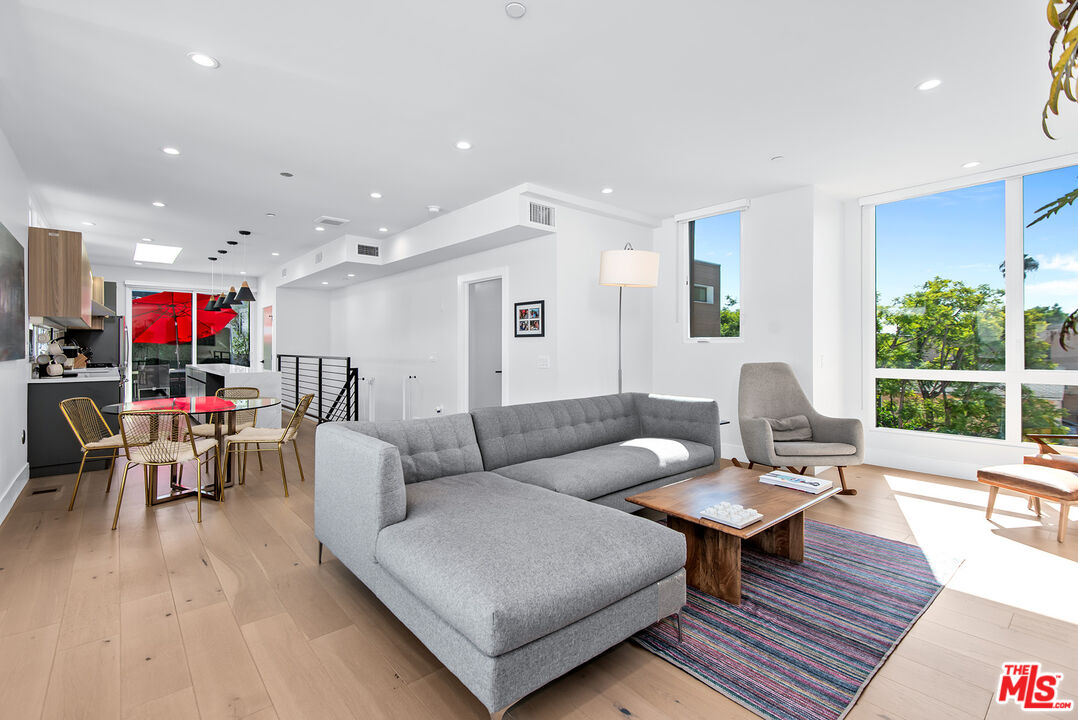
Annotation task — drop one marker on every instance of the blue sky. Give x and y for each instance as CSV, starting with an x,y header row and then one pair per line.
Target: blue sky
x,y
718,240
960,235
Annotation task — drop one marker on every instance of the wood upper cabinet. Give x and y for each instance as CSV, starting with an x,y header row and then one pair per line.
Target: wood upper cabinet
x,y
60,281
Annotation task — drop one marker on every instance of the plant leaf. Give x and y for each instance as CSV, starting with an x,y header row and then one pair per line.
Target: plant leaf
x,y
1053,16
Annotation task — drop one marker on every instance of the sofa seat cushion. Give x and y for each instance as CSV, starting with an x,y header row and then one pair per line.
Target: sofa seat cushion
x,y
505,563
599,471
813,449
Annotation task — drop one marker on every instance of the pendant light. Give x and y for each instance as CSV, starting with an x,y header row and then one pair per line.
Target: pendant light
x,y
210,304
230,299
245,294
222,303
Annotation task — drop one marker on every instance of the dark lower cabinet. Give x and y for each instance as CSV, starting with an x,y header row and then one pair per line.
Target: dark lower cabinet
x,y
51,446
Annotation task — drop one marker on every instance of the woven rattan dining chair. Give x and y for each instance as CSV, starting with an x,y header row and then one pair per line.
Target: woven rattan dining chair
x,y
93,434
244,418
274,436
164,437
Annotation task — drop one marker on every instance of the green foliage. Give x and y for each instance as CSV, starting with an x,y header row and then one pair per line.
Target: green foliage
x,y
944,325
1064,40
948,325
730,318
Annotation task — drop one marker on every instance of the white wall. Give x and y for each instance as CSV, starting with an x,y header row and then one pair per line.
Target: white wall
x,y
409,324
776,308
15,212
833,299
301,319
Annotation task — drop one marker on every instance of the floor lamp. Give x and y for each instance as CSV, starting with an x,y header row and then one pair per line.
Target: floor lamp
x,y
627,268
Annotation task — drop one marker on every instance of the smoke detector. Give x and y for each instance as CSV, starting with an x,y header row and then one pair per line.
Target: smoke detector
x,y
515,10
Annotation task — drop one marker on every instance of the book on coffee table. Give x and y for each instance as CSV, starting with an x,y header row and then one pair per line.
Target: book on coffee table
x,y
804,483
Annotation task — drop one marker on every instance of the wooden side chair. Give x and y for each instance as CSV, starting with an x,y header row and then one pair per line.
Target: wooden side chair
x,y
271,436
157,438
93,435
244,418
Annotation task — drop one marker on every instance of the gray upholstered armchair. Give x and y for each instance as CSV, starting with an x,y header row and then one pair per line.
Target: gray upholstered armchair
x,y
779,427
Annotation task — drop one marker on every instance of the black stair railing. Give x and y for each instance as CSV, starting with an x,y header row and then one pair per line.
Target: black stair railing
x,y
332,380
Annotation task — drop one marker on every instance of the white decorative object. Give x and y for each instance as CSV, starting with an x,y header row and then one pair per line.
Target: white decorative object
x,y
730,514
54,369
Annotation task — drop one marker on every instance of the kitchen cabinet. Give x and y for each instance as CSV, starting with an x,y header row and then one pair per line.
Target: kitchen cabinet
x,y
60,282
51,446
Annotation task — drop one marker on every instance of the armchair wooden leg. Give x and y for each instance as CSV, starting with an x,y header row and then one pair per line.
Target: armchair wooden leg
x,y
198,495
284,477
146,484
1064,515
298,463
737,463
1037,506
992,492
258,446
842,476
78,479
120,496
319,553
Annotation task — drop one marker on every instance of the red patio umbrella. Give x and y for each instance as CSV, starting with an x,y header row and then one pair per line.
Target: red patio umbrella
x,y
164,318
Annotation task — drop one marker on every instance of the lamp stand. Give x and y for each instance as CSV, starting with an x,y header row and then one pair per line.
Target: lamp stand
x,y
620,291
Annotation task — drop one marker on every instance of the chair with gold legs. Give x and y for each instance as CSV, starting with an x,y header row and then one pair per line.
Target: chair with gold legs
x,y
244,418
156,438
271,436
93,434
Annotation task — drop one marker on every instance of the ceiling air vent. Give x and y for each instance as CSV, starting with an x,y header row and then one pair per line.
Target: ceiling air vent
x,y
318,257
371,250
331,221
541,214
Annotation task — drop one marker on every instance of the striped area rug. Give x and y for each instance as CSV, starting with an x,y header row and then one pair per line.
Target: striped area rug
x,y
807,637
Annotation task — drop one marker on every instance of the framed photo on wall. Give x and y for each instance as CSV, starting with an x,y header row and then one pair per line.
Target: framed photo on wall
x,y
529,318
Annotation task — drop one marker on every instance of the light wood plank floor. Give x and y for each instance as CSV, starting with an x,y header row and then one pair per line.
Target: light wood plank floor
x,y
234,618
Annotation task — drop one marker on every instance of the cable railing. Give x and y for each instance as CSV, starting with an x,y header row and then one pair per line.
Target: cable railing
x,y
330,378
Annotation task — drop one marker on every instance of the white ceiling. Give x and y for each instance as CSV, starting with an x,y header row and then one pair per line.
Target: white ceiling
x,y
676,105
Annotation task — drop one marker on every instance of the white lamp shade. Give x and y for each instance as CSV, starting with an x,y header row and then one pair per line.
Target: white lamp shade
x,y
629,268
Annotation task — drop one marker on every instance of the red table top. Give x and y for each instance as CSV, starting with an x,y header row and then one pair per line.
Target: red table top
x,y
203,404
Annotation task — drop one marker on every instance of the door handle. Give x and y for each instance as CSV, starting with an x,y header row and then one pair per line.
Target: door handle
x,y
497,372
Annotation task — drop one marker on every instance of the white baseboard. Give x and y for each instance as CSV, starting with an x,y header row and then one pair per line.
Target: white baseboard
x,y
7,500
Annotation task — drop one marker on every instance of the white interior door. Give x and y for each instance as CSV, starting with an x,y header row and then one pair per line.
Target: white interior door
x,y
485,343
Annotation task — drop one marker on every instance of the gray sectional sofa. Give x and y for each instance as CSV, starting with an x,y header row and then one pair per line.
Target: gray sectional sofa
x,y
477,532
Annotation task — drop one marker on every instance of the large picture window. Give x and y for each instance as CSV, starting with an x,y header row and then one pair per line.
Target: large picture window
x,y
944,361
715,276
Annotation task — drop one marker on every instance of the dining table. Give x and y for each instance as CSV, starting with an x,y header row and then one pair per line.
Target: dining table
x,y
223,413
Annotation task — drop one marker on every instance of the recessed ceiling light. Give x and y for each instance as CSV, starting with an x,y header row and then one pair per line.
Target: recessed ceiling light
x,y
325,282
243,272
87,223
607,191
287,174
463,145
165,254
158,204
276,254
376,195
515,10
351,274
138,263
170,151
971,164
434,208
930,84
147,239
271,214
319,229
204,60
383,229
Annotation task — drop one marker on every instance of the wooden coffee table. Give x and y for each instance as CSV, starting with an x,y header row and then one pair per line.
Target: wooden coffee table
x,y
713,559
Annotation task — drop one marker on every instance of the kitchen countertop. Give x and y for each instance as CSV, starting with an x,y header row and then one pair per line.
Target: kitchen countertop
x,y
225,369
83,375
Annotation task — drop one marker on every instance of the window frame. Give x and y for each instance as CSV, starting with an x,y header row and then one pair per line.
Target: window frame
x,y
685,283
1014,374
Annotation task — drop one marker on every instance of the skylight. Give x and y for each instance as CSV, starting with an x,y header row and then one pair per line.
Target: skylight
x,y
166,254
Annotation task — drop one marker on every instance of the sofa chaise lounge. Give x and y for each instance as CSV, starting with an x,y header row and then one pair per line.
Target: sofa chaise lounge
x,y
497,536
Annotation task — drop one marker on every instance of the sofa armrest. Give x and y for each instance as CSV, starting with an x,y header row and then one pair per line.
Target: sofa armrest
x,y
360,489
758,440
682,418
